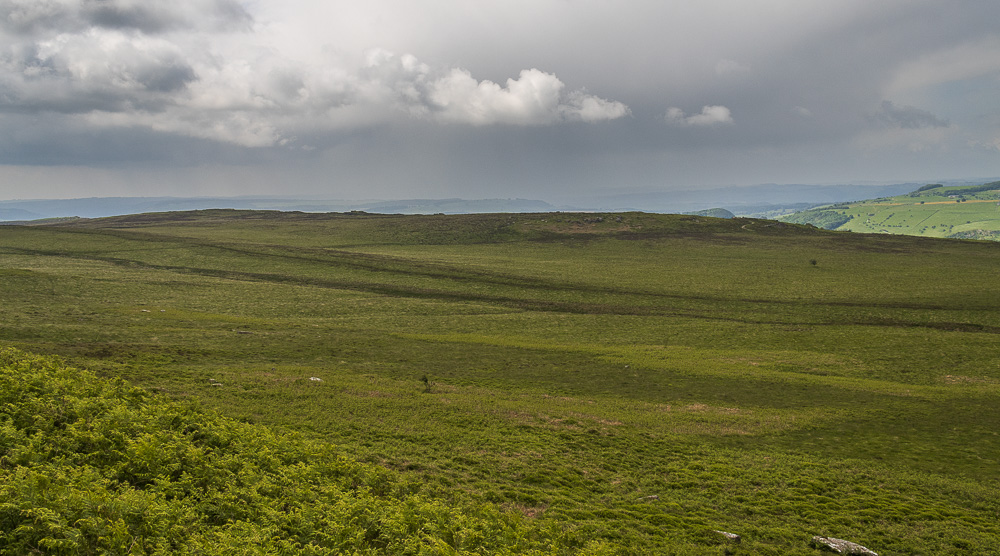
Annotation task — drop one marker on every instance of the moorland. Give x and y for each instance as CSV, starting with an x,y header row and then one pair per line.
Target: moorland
x,y
556,383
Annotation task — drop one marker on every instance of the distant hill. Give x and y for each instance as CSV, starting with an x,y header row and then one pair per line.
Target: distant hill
x,y
715,213
757,201
935,210
17,214
99,207
749,200
453,206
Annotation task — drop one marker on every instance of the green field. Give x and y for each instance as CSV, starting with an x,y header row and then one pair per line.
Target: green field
x,y
618,383
933,210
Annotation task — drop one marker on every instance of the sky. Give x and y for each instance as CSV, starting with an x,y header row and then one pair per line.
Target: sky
x,y
540,99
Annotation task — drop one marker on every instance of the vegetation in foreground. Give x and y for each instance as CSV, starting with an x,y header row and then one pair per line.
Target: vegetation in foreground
x,y
97,467
967,212
629,380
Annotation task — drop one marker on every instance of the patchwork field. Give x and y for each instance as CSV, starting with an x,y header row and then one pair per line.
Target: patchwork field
x,y
623,383
933,211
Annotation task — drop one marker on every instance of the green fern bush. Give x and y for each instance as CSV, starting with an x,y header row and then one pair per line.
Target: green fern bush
x,y
90,466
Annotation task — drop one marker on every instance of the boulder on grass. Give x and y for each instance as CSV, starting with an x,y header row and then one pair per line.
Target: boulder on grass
x,y
730,536
840,546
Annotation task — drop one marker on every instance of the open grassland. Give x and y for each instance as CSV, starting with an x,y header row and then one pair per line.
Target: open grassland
x,y
957,212
634,381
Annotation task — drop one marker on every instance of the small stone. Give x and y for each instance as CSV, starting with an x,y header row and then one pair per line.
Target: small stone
x,y
840,546
731,536
651,497
316,379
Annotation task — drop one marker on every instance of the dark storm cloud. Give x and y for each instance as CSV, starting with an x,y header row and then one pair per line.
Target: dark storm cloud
x,y
78,74
77,57
148,16
157,17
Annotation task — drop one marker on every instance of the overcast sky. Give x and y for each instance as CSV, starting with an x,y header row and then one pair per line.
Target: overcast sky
x,y
543,99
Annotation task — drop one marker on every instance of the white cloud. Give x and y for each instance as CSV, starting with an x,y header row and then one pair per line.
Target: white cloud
x,y
579,105
709,116
534,98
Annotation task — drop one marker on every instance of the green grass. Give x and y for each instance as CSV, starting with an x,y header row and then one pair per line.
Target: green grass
x,y
958,212
630,379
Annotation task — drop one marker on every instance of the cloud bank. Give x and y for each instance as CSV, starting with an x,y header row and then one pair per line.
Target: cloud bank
x,y
170,67
457,98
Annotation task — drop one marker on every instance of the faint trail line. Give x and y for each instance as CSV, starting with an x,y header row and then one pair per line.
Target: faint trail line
x,y
523,303
392,265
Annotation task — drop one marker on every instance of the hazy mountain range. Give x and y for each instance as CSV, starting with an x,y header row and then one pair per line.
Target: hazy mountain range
x,y
759,200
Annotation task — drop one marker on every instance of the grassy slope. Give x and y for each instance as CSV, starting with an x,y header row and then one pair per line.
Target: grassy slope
x,y
940,212
643,379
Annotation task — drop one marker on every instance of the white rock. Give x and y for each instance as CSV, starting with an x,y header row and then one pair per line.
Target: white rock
x,y
731,536
840,546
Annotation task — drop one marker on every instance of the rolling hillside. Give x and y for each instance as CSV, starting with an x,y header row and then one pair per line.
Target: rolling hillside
x,y
600,383
971,212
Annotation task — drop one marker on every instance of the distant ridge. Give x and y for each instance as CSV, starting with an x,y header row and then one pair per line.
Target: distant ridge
x,y
753,200
767,201
715,213
8,214
99,207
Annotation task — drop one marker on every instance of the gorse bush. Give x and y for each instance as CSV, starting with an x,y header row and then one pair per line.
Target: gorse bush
x,y
89,466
